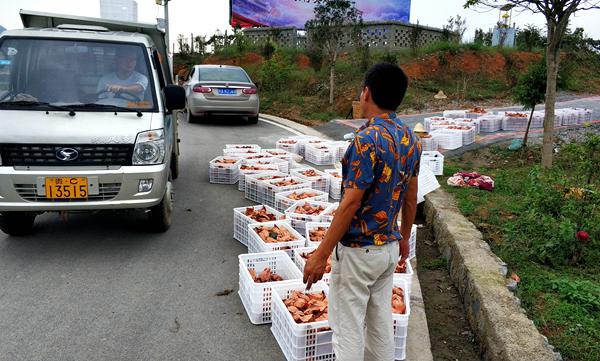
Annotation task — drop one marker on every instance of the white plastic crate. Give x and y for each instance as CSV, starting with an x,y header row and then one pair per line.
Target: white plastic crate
x,y
252,181
430,120
220,173
341,147
281,154
435,161
407,276
300,262
283,202
328,214
241,221
257,245
299,220
557,118
455,113
320,153
401,323
465,133
412,241
430,143
517,121
476,113
470,122
583,115
300,342
282,164
235,152
320,181
290,145
304,140
256,297
267,189
243,148
310,226
441,124
335,183
427,182
448,140
569,116
254,169
490,123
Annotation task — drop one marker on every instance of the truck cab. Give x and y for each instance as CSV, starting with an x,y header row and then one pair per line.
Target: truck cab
x,y
86,119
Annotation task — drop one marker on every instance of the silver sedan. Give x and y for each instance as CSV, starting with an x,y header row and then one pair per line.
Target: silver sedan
x,y
220,90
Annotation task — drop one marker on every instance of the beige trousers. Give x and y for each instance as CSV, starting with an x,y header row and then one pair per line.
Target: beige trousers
x,y
360,294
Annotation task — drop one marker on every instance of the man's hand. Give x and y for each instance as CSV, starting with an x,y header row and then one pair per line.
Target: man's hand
x,y
113,88
404,251
314,269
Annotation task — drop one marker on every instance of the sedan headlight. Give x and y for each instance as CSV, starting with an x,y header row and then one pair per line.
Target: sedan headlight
x,y
149,148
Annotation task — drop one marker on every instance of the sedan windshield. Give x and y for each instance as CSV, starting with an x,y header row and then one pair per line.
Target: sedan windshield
x,y
223,74
53,73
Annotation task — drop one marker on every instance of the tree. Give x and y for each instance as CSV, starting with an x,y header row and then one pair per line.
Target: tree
x,y
530,90
483,38
182,43
530,38
557,14
456,25
200,44
332,21
415,38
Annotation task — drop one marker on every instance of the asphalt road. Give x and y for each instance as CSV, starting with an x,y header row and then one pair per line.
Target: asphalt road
x,y
102,287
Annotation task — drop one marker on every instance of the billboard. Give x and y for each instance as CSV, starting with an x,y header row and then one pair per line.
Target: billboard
x,y
278,13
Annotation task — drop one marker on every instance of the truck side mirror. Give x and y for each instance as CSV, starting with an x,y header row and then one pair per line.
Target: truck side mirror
x,y
174,97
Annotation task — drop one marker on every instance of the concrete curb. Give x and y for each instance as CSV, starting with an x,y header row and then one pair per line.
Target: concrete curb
x,y
501,325
295,126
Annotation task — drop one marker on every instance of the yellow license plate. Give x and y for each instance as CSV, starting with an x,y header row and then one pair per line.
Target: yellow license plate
x,y
67,188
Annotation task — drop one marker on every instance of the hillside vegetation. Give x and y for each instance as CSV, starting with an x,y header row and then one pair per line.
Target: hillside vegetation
x,y
295,84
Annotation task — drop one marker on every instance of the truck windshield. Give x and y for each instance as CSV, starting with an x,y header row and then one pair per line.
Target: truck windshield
x,y
53,73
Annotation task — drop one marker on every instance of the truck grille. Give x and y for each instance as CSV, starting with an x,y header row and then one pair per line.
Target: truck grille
x,y
46,154
107,192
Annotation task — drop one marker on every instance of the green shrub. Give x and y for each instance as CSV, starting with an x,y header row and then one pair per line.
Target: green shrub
x,y
557,207
275,75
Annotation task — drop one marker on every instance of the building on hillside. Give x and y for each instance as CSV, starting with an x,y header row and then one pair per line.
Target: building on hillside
x,y
125,10
375,34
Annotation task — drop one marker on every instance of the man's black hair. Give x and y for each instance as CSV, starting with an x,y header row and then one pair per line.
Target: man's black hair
x,y
388,85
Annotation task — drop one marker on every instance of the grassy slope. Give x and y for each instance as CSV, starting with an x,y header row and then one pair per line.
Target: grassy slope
x,y
570,327
470,75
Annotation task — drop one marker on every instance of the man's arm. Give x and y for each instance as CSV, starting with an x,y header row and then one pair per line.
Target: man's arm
x,y
315,266
409,211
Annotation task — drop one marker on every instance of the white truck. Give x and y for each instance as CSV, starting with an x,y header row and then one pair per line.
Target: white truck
x,y
86,119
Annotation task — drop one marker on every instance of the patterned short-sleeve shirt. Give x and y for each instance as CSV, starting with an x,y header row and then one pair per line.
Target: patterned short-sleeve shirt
x,y
383,157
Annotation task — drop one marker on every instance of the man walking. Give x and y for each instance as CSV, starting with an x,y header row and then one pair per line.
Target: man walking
x,y
380,171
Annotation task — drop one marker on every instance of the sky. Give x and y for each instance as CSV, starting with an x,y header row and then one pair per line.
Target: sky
x,y
204,17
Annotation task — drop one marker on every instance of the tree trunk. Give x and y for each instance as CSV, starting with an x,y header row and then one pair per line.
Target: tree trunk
x,y
331,82
552,61
332,77
528,126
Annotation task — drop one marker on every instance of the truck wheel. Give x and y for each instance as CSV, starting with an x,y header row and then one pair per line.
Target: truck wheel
x,y
174,166
160,216
17,223
253,120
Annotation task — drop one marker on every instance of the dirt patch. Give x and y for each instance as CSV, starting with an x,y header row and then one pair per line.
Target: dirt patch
x,y
303,62
449,331
247,59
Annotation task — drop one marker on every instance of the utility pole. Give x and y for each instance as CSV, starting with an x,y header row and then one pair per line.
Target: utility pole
x,y
166,6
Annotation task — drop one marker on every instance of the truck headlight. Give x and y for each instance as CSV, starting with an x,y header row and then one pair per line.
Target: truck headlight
x,y
149,148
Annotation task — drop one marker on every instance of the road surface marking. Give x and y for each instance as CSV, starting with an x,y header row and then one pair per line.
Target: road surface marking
x,y
282,126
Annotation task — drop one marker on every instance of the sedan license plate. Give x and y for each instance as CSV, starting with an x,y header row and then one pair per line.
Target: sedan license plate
x,y
66,188
227,91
